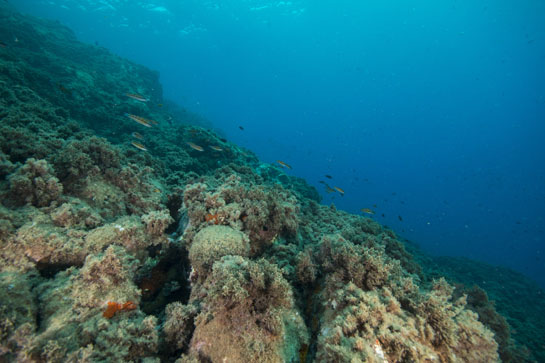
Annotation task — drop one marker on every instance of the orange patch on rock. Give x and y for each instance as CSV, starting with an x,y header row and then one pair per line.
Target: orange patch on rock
x,y
114,307
212,217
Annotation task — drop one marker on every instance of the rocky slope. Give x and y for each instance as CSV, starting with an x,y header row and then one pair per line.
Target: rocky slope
x,y
111,252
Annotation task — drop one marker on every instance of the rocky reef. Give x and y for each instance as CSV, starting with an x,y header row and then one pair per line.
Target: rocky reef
x,y
122,248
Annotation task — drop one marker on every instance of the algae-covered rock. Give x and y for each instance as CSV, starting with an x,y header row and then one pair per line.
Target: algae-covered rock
x,y
77,213
134,338
248,315
35,183
156,222
71,307
372,326
18,311
214,242
105,277
6,166
48,245
262,212
179,324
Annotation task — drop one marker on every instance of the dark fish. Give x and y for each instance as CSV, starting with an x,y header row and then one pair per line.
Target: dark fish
x,y
382,214
137,135
3,45
328,176
223,140
399,217
242,128
65,90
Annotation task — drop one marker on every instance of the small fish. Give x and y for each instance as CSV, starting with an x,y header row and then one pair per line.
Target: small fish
x,y
137,97
328,176
138,145
217,148
159,105
195,147
323,182
339,190
367,210
140,120
329,190
157,190
137,135
3,45
400,219
223,140
283,164
65,90
242,128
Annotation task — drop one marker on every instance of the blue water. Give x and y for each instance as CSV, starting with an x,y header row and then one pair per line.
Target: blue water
x,y
434,111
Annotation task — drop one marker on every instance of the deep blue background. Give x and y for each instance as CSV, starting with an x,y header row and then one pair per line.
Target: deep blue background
x,y
432,110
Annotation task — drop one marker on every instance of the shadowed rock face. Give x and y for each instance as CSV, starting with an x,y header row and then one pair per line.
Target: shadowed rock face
x,y
224,257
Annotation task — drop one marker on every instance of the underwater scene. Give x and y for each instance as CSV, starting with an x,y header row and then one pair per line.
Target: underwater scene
x,y
272,181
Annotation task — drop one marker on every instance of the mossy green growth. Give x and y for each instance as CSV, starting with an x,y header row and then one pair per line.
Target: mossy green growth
x,y
17,308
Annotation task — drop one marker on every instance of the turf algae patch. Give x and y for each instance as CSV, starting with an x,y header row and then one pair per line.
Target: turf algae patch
x,y
214,242
262,212
247,314
507,302
18,311
35,183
